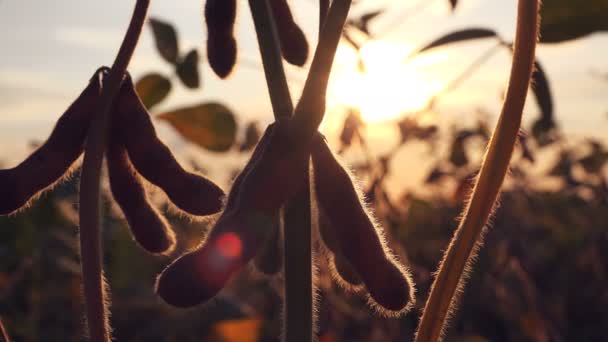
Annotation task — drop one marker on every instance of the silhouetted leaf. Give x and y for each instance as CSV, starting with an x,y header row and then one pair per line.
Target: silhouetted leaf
x,y
542,92
363,22
187,70
458,155
252,136
210,125
526,152
595,160
544,132
458,36
165,38
563,166
436,174
410,129
352,124
564,20
153,89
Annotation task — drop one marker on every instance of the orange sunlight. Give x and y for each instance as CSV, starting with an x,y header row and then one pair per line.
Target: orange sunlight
x,y
387,88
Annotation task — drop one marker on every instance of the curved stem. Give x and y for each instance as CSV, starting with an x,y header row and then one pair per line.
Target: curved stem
x,y
90,245
452,272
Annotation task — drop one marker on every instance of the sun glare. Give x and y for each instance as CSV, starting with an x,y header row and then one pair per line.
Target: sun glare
x,y
386,87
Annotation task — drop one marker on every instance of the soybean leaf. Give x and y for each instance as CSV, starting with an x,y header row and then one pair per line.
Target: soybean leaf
x,y
595,160
363,22
252,136
165,38
187,70
458,155
543,127
459,36
153,89
564,20
210,125
351,128
542,92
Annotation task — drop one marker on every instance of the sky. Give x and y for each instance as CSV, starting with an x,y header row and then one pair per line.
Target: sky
x,y
51,48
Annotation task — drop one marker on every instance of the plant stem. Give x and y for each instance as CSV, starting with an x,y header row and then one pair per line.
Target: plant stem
x,y
272,60
311,108
297,251
323,9
90,220
452,272
299,290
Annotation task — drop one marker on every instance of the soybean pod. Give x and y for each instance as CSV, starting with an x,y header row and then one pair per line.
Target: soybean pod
x,y
192,193
52,161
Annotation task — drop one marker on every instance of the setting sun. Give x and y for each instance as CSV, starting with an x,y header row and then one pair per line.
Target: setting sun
x,y
386,88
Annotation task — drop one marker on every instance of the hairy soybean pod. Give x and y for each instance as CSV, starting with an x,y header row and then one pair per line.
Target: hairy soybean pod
x,y
148,227
246,223
344,273
359,240
269,259
53,160
341,270
294,46
190,192
221,45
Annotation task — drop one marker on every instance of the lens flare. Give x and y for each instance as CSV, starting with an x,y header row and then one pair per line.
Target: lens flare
x,y
229,245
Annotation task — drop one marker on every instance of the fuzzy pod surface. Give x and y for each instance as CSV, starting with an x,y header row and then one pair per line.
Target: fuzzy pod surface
x,y
294,45
148,227
269,259
53,159
341,269
190,192
358,238
245,225
220,16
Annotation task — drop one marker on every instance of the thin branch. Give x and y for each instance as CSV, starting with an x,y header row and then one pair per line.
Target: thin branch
x,y
466,240
90,220
272,60
311,107
323,9
298,322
